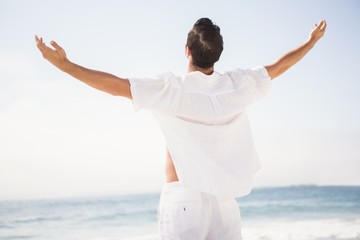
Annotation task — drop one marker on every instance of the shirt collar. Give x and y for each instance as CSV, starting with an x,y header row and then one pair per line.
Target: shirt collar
x,y
199,79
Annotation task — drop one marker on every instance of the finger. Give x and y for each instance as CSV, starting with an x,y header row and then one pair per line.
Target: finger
x,y
56,46
323,27
37,40
322,24
41,45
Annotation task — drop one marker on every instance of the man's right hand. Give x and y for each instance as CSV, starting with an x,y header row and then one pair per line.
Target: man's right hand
x,y
102,81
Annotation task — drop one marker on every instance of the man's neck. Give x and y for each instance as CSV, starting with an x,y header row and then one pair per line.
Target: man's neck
x,y
206,71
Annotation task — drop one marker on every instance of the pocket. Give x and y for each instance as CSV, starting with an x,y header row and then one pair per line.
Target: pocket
x,y
181,219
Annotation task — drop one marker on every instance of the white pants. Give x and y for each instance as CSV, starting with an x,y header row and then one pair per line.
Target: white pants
x,y
186,214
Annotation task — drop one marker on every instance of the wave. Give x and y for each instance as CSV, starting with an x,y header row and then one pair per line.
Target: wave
x,y
13,237
37,220
127,218
5,226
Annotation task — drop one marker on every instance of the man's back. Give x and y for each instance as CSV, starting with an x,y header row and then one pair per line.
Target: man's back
x,y
205,124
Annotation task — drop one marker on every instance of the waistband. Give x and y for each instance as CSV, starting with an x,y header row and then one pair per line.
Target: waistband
x,y
177,191
171,185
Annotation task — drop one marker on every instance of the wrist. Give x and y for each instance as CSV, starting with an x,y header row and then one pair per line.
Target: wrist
x,y
311,41
65,65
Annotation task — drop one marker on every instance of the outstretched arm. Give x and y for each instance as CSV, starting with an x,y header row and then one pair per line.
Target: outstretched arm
x,y
292,57
100,80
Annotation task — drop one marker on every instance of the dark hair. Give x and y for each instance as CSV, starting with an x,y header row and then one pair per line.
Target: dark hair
x,y
205,43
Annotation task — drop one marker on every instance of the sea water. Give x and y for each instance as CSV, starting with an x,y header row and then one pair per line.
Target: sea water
x,y
289,213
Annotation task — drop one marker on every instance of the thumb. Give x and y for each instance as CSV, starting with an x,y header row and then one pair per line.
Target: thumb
x,y
323,25
56,46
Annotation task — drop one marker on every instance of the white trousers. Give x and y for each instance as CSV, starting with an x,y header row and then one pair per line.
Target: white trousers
x,y
186,214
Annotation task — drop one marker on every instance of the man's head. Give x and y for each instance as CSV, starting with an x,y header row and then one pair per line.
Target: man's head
x,y
205,43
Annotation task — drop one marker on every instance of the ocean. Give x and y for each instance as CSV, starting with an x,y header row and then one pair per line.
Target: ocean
x,y
279,213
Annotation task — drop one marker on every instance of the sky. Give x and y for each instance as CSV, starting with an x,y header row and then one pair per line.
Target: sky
x,y
60,138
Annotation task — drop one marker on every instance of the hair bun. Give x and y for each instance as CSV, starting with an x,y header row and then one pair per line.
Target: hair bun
x,y
204,21
207,23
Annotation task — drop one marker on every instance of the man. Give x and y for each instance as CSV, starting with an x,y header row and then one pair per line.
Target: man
x,y
211,158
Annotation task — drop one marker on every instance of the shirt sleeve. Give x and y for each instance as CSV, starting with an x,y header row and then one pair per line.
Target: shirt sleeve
x,y
150,93
262,81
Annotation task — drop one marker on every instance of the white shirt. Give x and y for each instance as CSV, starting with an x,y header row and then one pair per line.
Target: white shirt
x,y
205,124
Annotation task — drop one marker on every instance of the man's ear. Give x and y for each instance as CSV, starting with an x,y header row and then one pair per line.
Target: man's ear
x,y
187,52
